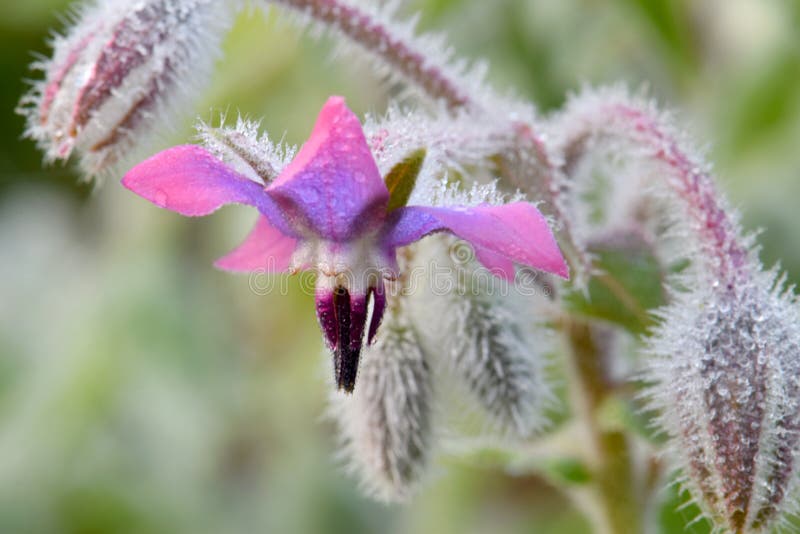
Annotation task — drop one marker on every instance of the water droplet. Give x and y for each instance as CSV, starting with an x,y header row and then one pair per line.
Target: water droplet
x,y
161,198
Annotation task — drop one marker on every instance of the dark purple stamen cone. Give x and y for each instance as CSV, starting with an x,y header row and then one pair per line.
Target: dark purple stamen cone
x,y
346,353
358,320
343,319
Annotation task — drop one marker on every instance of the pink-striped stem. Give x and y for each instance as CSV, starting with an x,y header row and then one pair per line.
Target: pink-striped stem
x,y
376,37
718,232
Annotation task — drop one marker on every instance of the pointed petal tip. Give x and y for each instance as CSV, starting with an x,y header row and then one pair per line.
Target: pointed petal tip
x,y
223,264
189,180
335,102
139,174
333,185
563,273
561,268
333,111
501,235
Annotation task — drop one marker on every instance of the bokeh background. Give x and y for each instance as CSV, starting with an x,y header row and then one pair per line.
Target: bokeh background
x,y
142,391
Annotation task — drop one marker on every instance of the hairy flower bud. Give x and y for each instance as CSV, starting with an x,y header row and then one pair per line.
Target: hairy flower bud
x,y
243,149
727,374
385,423
500,362
486,329
120,67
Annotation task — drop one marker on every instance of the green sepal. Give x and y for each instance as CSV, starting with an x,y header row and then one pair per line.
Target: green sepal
x,y
402,178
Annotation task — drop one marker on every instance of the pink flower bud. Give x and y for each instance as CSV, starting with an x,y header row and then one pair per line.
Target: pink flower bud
x,y
119,68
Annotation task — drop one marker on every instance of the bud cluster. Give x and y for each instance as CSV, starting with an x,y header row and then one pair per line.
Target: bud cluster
x,y
724,359
723,364
480,337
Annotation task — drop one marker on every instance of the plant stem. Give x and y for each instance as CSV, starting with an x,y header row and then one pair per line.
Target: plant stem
x,y
618,505
614,116
386,40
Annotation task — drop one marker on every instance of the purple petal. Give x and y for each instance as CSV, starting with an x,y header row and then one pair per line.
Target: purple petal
x,y
265,248
514,232
358,320
326,315
189,180
333,188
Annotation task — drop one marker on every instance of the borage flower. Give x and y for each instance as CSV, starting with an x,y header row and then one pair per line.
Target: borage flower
x,y
328,211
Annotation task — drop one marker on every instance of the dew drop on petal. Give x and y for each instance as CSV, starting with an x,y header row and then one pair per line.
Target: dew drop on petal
x,y
160,198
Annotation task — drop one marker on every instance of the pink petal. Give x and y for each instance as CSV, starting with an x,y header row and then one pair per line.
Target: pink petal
x,y
265,248
333,188
514,232
500,266
189,180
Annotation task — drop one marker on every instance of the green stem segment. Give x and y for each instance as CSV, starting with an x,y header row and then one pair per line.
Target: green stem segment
x,y
617,502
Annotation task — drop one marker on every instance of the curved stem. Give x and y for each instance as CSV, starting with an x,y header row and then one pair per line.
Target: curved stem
x,y
376,35
608,115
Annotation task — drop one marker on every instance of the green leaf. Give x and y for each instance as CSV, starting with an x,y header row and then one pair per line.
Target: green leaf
x,y
629,286
679,515
401,179
567,471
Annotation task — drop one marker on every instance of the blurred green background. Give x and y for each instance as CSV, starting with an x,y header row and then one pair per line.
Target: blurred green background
x,y
142,391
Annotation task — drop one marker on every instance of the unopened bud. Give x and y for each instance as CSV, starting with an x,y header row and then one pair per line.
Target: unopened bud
x,y
242,148
116,74
490,335
500,361
727,374
385,423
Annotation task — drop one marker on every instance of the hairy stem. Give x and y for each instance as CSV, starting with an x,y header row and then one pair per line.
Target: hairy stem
x,y
377,37
609,116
